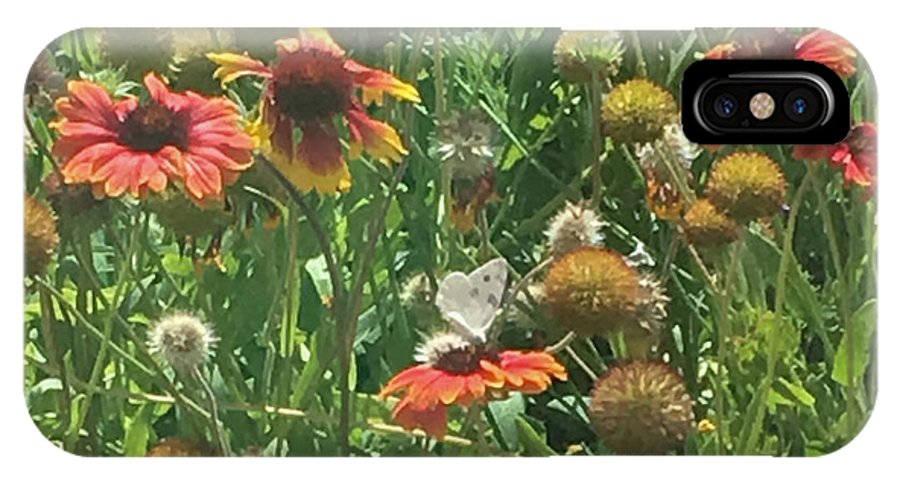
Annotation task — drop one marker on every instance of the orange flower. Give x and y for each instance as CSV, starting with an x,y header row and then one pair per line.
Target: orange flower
x,y
457,372
856,155
126,145
829,49
819,46
308,86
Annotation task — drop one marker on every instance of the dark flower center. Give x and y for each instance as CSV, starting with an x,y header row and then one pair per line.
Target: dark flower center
x,y
466,359
312,85
151,127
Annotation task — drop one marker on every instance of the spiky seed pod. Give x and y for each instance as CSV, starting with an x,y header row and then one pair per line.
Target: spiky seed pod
x,y
641,408
593,291
139,50
190,67
185,219
45,83
746,186
41,237
705,226
573,226
637,111
182,340
75,205
464,143
582,56
179,447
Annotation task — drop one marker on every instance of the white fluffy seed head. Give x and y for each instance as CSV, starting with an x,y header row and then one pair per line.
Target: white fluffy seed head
x,y
437,346
464,143
673,146
182,340
573,226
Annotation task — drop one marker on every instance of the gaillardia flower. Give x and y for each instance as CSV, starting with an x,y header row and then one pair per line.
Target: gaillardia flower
x,y
308,88
456,372
180,447
819,46
40,236
594,291
183,341
582,56
746,185
127,145
856,155
637,111
573,226
641,408
705,226
829,49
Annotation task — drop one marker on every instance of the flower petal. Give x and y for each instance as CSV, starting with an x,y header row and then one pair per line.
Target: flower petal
x,y
375,83
378,138
233,66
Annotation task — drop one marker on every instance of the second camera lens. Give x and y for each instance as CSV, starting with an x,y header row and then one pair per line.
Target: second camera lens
x,y
801,105
725,105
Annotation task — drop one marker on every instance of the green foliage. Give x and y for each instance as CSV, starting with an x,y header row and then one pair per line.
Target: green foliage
x,y
313,304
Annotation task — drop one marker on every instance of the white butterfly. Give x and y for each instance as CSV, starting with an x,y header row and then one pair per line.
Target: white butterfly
x,y
470,302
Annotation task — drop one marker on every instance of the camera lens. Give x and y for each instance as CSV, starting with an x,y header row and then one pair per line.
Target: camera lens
x,y
801,105
725,105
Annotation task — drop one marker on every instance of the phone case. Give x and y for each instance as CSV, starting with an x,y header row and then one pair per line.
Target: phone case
x,y
437,242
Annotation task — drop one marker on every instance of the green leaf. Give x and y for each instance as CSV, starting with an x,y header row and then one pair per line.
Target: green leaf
x,y
863,327
311,308
678,58
533,443
795,391
137,431
506,412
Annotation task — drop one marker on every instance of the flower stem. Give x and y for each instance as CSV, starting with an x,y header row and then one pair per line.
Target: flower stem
x,y
597,156
758,405
723,329
100,360
216,427
843,294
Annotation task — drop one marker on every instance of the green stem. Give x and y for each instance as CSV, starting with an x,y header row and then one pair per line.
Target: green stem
x,y
758,405
216,426
842,287
349,318
723,329
597,157
100,361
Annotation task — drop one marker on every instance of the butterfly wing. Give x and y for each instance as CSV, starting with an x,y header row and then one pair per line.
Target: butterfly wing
x,y
470,302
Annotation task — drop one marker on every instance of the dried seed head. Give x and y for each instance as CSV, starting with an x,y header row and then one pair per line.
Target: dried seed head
x,y
746,186
593,291
464,143
642,408
184,218
582,56
637,111
705,226
573,226
182,340
41,237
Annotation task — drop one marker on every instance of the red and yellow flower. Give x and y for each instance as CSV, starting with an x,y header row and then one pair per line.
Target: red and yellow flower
x,y
819,46
856,155
129,145
308,88
829,49
457,372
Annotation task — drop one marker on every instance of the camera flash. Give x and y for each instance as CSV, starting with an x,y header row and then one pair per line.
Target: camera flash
x,y
762,105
